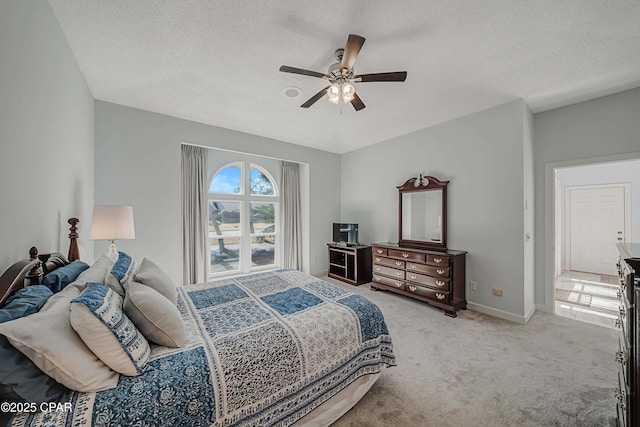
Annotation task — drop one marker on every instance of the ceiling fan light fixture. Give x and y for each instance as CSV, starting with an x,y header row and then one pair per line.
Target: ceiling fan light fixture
x,y
334,93
348,92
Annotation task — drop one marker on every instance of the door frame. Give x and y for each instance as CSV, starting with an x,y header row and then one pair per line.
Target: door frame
x,y
566,220
545,252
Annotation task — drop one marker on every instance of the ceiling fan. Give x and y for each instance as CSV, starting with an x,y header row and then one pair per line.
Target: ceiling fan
x,y
341,76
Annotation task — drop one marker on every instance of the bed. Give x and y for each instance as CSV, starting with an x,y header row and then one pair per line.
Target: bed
x,y
274,348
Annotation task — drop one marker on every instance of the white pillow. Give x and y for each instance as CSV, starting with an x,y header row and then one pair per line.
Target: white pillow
x,y
98,318
154,315
97,271
46,337
122,271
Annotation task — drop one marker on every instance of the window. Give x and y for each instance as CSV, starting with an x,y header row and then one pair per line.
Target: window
x,y
243,212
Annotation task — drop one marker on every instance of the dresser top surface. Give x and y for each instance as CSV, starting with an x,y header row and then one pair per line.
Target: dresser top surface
x,y
629,250
391,245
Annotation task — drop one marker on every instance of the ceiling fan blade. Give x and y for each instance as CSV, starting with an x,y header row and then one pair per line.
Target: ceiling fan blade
x,y
315,98
294,70
357,102
351,51
396,76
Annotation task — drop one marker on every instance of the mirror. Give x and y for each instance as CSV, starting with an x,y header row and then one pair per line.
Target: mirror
x,y
422,219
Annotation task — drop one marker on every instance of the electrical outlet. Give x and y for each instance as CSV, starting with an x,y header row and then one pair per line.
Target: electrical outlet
x,y
497,291
473,286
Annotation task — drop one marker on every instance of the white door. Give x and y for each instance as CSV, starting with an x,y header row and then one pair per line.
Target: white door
x,y
596,224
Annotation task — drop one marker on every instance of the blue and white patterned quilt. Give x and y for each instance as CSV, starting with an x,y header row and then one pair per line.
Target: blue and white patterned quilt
x,y
262,350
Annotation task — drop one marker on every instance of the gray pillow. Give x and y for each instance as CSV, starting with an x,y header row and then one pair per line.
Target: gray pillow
x,y
47,338
154,315
151,275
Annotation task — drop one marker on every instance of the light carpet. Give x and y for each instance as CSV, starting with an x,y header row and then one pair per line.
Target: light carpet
x,y
477,370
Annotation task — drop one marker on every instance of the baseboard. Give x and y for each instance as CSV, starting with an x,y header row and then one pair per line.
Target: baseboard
x,y
500,314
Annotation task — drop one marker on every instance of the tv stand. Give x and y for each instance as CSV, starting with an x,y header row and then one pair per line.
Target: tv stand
x,y
350,264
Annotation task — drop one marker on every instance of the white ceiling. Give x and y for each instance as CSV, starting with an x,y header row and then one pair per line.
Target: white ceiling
x,y
216,61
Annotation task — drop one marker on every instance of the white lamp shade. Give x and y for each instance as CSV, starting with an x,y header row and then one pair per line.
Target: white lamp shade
x,y
112,223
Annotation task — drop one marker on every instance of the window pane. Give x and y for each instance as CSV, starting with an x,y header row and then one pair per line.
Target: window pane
x,y
263,216
225,254
227,180
224,218
260,184
263,250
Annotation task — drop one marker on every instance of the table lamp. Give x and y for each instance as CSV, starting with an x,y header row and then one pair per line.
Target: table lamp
x,y
112,222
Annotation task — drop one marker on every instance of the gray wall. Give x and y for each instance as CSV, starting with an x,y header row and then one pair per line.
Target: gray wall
x,y
46,135
137,155
606,128
482,155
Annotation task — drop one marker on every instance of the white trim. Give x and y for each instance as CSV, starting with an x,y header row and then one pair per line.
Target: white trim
x,y
500,314
549,210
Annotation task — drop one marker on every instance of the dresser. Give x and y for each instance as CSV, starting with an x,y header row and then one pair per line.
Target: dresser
x,y
627,354
436,277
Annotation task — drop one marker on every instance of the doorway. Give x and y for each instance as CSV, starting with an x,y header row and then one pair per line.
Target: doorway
x,y
592,212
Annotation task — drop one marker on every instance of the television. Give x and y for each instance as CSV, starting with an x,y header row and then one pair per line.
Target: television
x,y
345,233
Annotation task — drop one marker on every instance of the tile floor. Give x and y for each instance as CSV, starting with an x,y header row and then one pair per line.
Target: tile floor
x,y
603,309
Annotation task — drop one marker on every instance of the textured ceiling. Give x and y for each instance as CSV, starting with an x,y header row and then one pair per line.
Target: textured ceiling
x,y
216,62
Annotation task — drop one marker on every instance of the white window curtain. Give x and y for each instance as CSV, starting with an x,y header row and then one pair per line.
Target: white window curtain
x,y
291,221
195,215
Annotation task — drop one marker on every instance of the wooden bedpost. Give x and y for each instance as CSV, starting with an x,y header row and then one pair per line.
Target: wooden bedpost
x,y
35,272
74,253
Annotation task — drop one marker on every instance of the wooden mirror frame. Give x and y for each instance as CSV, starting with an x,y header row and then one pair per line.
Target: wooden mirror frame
x,y
424,183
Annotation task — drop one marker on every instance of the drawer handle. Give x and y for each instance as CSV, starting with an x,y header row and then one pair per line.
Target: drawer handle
x,y
438,260
377,279
398,273
378,269
412,276
398,263
621,357
398,284
622,313
622,399
412,288
440,283
440,296
378,259
440,271
413,266
379,251
405,255
619,294
618,323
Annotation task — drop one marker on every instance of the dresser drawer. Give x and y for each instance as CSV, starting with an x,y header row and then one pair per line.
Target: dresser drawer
x,y
397,284
379,251
407,255
442,284
388,271
441,296
438,260
388,261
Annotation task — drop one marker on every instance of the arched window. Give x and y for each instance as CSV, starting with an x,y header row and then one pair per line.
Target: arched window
x,y
243,216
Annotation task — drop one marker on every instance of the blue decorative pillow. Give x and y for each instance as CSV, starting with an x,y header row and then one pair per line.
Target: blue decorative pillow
x,y
121,273
24,302
61,277
20,378
98,317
